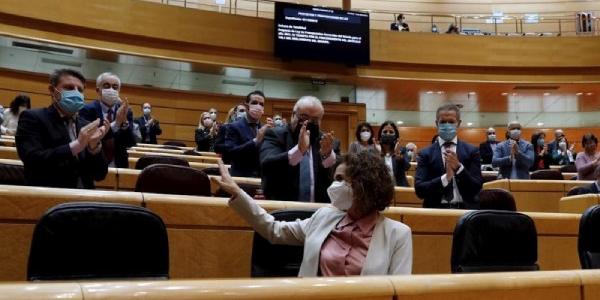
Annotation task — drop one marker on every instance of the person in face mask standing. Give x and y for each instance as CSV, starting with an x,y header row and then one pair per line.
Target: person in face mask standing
x,y
448,171
351,237
486,149
206,133
11,115
365,141
148,125
542,157
58,148
514,156
296,160
110,106
395,156
245,136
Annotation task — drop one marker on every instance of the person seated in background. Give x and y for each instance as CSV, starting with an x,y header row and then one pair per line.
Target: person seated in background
x,y
453,29
448,172
11,116
149,126
245,136
411,152
351,237
58,148
110,106
392,152
235,113
486,149
400,24
540,149
563,154
558,134
588,160
514,156
278,121
206,133
296,160
364,139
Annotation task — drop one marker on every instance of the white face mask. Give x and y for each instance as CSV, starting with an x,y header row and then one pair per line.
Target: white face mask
x,y
110,96
256,111
562,145
147,111
341,195
208,122
515,134
365,136
213,116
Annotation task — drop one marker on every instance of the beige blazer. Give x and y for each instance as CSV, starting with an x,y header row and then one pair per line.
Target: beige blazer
x,y
390,249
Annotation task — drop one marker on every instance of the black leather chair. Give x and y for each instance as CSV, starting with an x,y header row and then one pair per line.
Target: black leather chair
x,y
579,190
547,174
147,160
568,169
494,241
497,199
489,177
212,171
89,240
278,260
169,179
175,143
12,174
588,244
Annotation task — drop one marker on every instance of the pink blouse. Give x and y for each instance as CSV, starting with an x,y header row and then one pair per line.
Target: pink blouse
x,y
345,249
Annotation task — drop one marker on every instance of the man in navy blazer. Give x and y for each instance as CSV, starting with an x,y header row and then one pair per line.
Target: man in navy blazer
x,y
486,149
514,156
245,136
448,171
109,106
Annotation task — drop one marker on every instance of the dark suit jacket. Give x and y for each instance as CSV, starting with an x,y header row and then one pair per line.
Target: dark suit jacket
x,y
42,141
537,158
552,146
280,180
204,141
593,188
148,134
242,150
220,146
394,27
486,152
400,166
123,138
430,168
524,159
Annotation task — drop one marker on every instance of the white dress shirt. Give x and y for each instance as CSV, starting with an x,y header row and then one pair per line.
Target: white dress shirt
x,y
457,197
294,158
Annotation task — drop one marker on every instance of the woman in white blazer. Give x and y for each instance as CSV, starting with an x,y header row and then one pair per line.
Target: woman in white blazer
x,y
350,238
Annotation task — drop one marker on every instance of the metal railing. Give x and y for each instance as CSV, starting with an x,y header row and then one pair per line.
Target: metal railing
x,y
471,24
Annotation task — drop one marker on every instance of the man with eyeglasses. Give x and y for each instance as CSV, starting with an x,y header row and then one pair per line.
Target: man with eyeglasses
x,y
245,136
486,149
296,160
449,170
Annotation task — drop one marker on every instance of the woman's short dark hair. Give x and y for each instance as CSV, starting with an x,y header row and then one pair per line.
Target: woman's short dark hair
x,y
535,136
371,181
386,123
20,100
588,137
359,128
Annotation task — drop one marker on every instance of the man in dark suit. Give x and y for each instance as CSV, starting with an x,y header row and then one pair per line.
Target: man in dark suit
x,y
58,148
297,159
117,112
514,156
400,24
448,171
486,149
149,126
245,136
558,135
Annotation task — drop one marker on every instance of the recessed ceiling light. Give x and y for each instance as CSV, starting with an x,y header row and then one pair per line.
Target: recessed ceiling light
x,y
469,124
504,94
589,94
514,94
429,92
440,92
578,94
540,124
472,93
399,122
547,94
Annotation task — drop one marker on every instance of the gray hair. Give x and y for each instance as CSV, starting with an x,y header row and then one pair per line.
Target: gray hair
x,y
309,101
491,129
105,75
447,107
513,122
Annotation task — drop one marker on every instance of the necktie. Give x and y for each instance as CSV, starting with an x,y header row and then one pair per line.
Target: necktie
x,y
108,144
109,115
448,191
304,186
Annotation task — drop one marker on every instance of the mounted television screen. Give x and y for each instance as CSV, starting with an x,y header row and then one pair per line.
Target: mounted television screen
x,y
319,33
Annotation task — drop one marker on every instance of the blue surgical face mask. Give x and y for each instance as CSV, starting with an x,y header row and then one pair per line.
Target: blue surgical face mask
x,y
492,137
541,142
447,131
240,115
71,101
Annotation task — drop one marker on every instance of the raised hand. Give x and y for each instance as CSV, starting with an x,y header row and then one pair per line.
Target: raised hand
x,y
304,138
226,182
99,134
87,131
260,134
122,113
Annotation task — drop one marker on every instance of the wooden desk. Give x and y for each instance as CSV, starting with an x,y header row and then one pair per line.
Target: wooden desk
x,y
8,153
195,165
189,158
579,203
7,142
160,146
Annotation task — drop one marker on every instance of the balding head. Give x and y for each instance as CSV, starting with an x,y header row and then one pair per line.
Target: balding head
x,y
514,125
558,133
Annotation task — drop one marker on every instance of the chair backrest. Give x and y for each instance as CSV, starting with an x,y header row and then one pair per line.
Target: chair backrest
x,y
175,143
191,152
588,244
494,241
568,169
212,171
489,177
548,174
168,179
278,260
12,174
579,190
89,240
147,160
498,199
